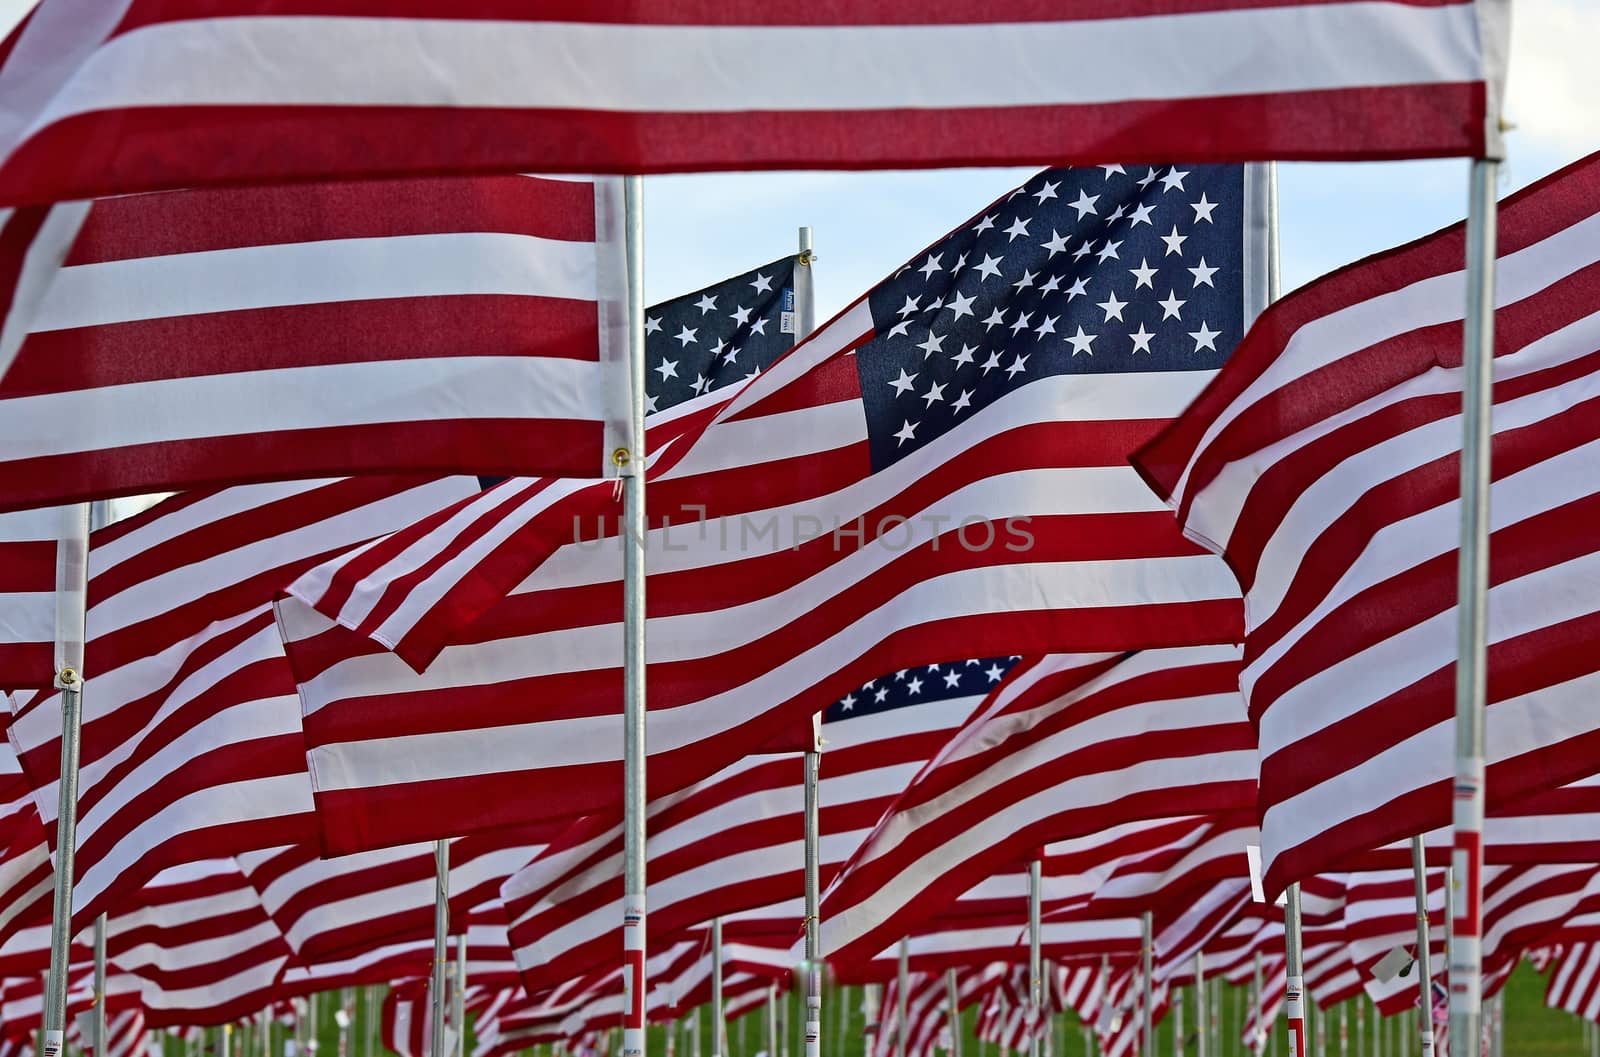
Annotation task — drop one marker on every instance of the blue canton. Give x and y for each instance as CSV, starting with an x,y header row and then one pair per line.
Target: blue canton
x,y
918,686
1079,271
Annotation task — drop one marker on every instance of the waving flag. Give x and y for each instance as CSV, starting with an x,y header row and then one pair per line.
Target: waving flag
x,y
27,598
219,337
1323,463
941,471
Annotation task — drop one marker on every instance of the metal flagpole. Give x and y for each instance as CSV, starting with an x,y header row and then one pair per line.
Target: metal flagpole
x,y
99,1039
458,997
72,579
1177,1022
1258,1041
953,1011
1294,993
805,307
903,983
1035,961
718,1027
265,1032
772,1020
631,469
441,954
342,1018
369,1030
1477,368
1200,1002
1344,1029
1424,958
1148,1010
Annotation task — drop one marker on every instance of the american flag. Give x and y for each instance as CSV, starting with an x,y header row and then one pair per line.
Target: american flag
x,y
128,97
27,597
922,483
1324,464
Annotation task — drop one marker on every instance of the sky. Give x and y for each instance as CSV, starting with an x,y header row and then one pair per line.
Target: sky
x,y
703,228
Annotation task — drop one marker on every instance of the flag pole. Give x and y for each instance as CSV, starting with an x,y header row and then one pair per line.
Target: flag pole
x,y
441,954
1177,1022
458,996
1258,1042
72,585
1477,361
902,1030
1200,1020
100,986
1424,957
1035,961
953,997
1294,957
1147,1010
631,469
718,1026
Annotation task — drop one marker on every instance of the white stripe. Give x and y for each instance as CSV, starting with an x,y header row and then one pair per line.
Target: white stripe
x,y
27,616
313,273
311,397
281,60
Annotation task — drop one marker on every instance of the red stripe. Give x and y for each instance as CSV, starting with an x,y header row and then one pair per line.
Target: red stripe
x,y
159,148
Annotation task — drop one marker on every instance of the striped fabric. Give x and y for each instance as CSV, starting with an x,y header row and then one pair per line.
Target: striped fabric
x,y
27,598
1323,464
141,94
27,877
191,743
220,337
806,565
1575,980
1067,746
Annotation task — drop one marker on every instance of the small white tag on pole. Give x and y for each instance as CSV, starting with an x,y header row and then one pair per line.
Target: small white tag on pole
x,y
1252,854
1392,964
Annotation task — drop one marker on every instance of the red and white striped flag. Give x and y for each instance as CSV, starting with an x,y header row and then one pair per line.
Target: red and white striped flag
x,y
1067,746
1575,980
27,598
1323,463
112,97
198,338
824,547
191,742
27,878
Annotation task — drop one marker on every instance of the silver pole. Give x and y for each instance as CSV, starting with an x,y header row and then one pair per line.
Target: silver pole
x,y
718,1026
1177,1023
1258,1043
369,1029
226,1040
1424,956
1035,961
346,1009
953,996
458,997
1295,970
441,953
265,1032
99,1039
1344,1029
1148,1012
813,1047
631,468
1200,1002
901,1028
1466,951
772,1021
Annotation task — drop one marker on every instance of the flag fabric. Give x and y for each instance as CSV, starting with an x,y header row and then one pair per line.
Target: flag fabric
x,y
199,338
1323,463
736,841
940,471
27,598
124,97
1574,984
27,878
191,744
1068,746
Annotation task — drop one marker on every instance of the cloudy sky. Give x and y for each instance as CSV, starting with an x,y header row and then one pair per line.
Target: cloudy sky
x,y
700,229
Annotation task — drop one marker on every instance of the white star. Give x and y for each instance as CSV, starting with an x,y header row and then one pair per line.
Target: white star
x,y
1141,215
847,702
961,265
995,317
1174,242
1079,288
1085,204
1047,191
1143,274
1057,244
1018,363
668,369
1109,250
740,316
993,672
908,431
1021,323
1118,213
903,383
652,325
963,401
699,384
1083,250
1170,307
762,285
902,328
1082,342
1174,178
716,350
964,357
1202,209
1018,228
1113,308
1141,339
961,306
911,306
686,336
758,327
879,694
649,404
931,265
991,363
1025,282
983,225
952,680
914,687
1051,285
1046,327
1202,275
733,354
932,344
1148,178
1110,169
989,266
706,303
1205,338
934,394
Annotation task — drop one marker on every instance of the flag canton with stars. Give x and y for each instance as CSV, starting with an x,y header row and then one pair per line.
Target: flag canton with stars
x,y
1079,271
919,686
720,335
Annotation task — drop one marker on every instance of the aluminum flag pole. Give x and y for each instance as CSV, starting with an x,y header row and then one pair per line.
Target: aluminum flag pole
x,y
806,314
1177,1022
1294,993
1147,1011
902,1030
631,469
100,986
458,998
441,953
953,1011
1424,957
719,1028
1477,362
1035,961
72,585
1199,1003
